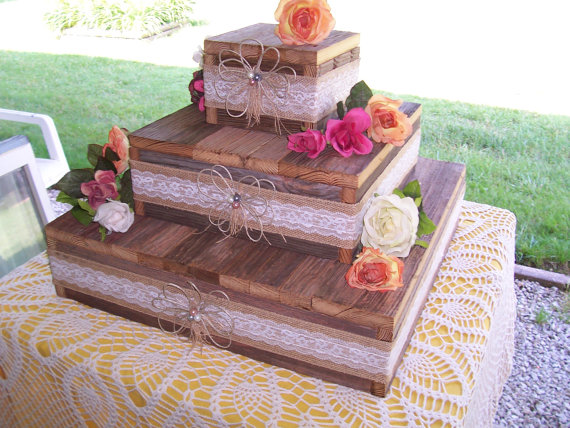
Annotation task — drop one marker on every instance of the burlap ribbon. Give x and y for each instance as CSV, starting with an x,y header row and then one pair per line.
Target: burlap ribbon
x,y
264,89
193,317
237,204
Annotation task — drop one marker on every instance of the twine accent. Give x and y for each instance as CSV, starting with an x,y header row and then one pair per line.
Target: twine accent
x,y
264,89
194,318
236,205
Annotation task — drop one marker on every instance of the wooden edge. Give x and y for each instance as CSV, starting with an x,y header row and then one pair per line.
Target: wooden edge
x,y
345,255
345,45
416,318
139,207
165,147
212,115
192,219
348,195
427,259
134,153
375,388
373,165
361,384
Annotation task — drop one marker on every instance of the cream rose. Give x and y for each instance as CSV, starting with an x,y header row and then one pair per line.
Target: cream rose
x,y
114,216
391,224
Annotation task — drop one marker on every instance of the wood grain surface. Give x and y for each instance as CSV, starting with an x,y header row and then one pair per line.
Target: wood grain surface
x,y
185,134
337,43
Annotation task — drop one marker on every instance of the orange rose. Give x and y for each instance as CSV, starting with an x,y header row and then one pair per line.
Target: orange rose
x,y
119,143
303,21
389,125
375,271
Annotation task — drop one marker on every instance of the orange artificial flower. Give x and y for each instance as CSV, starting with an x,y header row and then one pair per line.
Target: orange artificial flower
x,y
389,125
119,143
303,21
375,271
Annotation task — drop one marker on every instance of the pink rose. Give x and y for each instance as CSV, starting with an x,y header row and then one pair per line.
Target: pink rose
x,y
100,189
196,88
199,85
119,143
311,141
346,135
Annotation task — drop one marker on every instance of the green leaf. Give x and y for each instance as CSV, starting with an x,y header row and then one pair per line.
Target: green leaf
x,y
418,201
105,165
399,193
94,151
359,96
425,225
413,190
71,182
64,198
110,155
86,207
340,110
81,215
102,232
376,195
421,243
126,192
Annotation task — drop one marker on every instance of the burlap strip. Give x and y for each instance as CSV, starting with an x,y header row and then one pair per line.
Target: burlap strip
x,y
93,274
308,99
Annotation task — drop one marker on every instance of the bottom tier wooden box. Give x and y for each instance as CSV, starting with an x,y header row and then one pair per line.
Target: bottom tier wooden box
x,y
288,309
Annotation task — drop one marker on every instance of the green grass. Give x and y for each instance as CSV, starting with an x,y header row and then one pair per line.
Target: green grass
x,y
515,160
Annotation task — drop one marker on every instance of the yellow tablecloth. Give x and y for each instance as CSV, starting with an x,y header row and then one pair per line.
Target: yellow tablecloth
x,y
63,364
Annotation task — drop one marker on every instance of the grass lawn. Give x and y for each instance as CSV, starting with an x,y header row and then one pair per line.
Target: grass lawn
x,y
515,160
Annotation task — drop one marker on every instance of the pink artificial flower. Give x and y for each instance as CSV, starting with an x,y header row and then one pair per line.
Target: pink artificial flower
x,y
199,85
100,189
312,142
196,88
346,135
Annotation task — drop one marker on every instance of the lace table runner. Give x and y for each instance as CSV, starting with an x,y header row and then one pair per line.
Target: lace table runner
x,y
64,364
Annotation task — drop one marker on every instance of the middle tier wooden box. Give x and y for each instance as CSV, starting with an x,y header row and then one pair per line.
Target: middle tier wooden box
x,y
317,206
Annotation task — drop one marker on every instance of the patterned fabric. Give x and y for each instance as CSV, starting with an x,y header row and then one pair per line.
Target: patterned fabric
x,y
64,364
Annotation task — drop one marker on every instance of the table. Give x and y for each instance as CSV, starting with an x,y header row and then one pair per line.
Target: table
x,y
64,364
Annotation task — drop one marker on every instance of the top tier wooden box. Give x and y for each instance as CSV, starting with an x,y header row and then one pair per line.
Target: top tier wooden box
x,y
324,75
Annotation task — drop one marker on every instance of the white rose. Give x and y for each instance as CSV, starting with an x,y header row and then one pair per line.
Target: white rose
x,y
198,57
391,224
114,216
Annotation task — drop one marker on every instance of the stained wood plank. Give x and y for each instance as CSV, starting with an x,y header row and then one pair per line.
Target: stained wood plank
x,y
157,272
176,133
201,222
183,137
282,184
337,43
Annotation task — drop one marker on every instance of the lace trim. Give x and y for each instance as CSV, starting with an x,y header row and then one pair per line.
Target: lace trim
x,y
341,229
308,99
250,326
